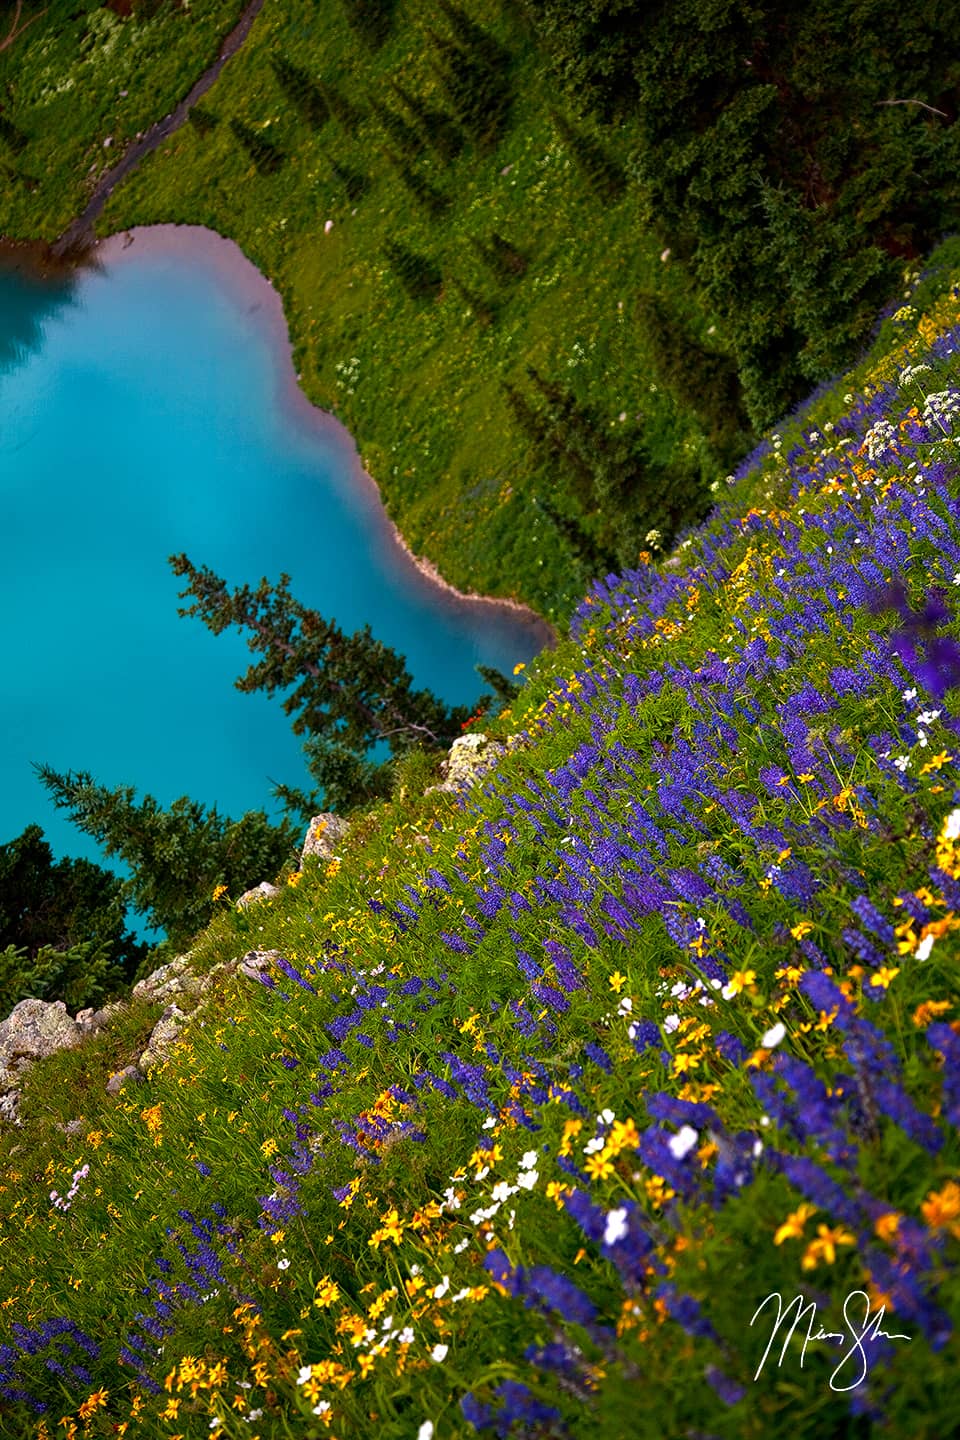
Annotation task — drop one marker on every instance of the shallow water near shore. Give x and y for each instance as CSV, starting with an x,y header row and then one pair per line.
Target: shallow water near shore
x,y
149,407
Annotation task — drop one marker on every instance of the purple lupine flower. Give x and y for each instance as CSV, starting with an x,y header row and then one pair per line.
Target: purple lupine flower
x,y
686,1311
729,1391
661,1106
817,1185
456,943
567,973
475,1412
896,1103
520,1403
871,919
730,1048
598,1055
547,995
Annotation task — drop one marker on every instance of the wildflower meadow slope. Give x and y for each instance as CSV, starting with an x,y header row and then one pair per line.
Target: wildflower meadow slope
x,y
546,1090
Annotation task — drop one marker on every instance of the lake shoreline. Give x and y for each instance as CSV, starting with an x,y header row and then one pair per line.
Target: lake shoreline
x,y
256,293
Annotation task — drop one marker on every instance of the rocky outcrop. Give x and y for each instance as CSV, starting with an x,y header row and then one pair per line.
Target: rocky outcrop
x,y
38,1028
255,965
325,837
469,759
263,891
175,980
32,1030
129,1075
164,1036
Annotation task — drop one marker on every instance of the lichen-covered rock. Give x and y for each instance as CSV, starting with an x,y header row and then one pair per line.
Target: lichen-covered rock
x,y
91,1021
263,891
10,1108
325,836
163,981
469,758
35,1029
165,1034
129,1075
255,965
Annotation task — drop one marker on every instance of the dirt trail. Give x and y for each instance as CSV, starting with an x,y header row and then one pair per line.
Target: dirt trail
x,y
79,234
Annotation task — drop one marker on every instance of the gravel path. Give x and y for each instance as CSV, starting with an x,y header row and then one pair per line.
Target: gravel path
x,y
80,232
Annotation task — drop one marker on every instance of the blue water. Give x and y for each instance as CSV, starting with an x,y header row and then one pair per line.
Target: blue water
x,y
144,411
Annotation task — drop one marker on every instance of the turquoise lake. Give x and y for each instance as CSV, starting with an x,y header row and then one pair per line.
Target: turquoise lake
x,y
149,408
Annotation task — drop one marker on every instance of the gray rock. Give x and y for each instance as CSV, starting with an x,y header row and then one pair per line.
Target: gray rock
x,y
128,1075
161,979
468,759
221,971
325,836
255,965
10,1108
165,1035
35,1029
72,1127
91,1021
263,891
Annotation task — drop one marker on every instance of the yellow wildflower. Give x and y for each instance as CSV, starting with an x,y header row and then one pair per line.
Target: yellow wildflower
x,y
824,1247
598,1167
327,1293
886,1226
942,1208
882,977
741,980
792,1227
929,1010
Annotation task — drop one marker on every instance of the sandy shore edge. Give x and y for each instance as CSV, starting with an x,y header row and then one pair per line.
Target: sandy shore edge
x,y
256,292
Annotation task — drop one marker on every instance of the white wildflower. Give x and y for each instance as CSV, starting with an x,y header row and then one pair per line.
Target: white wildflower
x,y
683,1142
616,1226
774,1035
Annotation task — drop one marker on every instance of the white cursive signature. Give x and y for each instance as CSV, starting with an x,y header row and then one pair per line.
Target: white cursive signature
x,y
860,1332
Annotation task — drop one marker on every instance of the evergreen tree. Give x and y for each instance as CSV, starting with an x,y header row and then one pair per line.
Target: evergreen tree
x,y
12,136
177,857
791,173
417,273
526,416
436,127
590,558
504,261
600,171
395,125
62,927
203,120
349,688
704,381
505,690
342,109
355,183
477,89
433,200
343,779
483,314
302,92
266,156
477,42
370,20
604,473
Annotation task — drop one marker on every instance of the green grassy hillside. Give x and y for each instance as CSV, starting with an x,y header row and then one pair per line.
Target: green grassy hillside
x,y
551,1088
677,219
